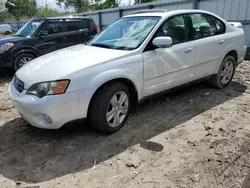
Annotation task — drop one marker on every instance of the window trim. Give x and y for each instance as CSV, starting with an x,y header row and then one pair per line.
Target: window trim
x,y
189,15
186,20
190,25
51,21
77,20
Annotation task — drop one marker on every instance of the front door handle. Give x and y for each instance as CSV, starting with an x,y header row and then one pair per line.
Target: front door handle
x,y
188,50
221,41
63,38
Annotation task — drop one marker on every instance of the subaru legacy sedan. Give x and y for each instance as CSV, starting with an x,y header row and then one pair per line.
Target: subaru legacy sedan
x,y
137,56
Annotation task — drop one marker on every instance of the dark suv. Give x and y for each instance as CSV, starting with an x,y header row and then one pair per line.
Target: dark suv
x,y
43,35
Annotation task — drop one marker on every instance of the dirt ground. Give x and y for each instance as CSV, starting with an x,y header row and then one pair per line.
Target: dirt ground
x,y
197,137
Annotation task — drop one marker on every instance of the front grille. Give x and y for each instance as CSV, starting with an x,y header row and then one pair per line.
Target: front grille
x,y
19,85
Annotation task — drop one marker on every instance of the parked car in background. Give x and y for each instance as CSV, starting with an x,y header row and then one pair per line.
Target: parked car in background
x,y
43,35
137,56
5,29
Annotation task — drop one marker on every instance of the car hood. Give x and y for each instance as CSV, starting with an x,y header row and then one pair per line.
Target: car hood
x,y
10,39
59,64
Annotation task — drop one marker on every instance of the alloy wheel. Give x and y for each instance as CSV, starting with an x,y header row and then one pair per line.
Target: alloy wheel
x,y
24,61
227,72
117,109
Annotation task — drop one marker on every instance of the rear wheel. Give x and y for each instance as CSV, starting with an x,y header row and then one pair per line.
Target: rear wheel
x,y
22,59
225,73
7,33
110,108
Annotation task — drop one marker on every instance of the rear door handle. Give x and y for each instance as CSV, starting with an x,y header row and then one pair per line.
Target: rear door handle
x,y
221,41
188,50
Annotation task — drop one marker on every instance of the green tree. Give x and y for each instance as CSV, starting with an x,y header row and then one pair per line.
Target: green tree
x,y
19,8
48,12
104,5
143,1
78,5
85,5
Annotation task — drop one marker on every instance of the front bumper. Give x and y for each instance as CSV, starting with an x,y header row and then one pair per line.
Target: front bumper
x,y
6,61
60,108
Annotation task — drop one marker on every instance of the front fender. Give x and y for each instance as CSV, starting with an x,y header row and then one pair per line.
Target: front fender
x,y
25,49
88,92
107,76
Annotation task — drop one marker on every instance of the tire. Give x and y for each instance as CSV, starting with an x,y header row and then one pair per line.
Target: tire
x,y
219,81
19,60
102,105
7,33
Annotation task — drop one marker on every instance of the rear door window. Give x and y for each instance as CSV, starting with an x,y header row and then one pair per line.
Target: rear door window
x,y
206,26
76,25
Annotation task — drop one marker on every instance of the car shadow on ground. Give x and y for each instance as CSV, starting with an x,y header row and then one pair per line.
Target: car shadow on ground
x,y
6,76
34,155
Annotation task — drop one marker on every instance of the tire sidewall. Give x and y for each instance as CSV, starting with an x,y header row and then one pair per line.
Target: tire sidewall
x,y
100,122
19,57
226,59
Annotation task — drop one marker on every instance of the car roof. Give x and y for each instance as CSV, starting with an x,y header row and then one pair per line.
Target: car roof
x,y
5,25
164,13
65,17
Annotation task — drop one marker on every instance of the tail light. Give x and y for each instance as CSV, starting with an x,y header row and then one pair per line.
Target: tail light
x,y
95,27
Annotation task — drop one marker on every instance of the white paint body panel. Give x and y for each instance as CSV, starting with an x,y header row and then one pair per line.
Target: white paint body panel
x,y
165,68
90,67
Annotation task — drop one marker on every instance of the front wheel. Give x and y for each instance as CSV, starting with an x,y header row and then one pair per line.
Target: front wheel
x,y
22,59
110,108
225,73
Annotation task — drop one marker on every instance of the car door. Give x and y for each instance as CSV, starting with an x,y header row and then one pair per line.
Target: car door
x,y
78,31
52,37
165,68
210,42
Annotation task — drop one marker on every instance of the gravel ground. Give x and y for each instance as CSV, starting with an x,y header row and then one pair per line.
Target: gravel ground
x,y
197,137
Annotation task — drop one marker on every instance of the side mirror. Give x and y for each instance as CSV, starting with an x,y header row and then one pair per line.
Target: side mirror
x,y
163,42
43,33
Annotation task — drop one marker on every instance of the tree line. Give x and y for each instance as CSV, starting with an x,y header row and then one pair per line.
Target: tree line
x,y
18,9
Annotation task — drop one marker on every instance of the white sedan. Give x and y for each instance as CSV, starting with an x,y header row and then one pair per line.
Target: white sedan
x,y
134,58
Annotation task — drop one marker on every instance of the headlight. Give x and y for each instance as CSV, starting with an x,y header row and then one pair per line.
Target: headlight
x,y
5,47
49,88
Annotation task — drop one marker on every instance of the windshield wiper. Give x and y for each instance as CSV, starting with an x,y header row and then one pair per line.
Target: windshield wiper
x,y
102,45
122,48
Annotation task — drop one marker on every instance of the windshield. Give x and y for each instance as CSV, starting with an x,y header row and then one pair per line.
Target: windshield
x,y
29,28
126,33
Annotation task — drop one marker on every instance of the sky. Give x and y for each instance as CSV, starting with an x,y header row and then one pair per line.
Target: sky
x,y
51,4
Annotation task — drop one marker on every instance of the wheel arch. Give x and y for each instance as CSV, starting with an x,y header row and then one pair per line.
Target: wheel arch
x,y
229,51
18,52
128,82
234,54
32,52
